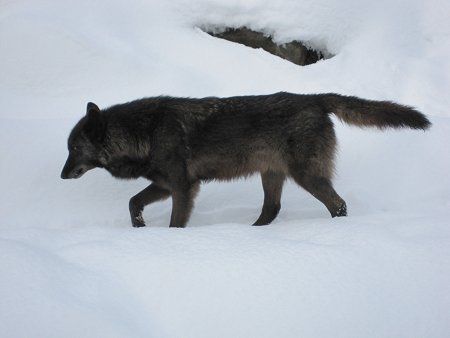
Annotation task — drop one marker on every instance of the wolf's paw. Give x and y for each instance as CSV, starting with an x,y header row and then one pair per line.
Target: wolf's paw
x,y
138,221
261,223
341,211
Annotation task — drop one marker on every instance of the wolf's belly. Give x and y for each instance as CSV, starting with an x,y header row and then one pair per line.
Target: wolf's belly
x,y
227,168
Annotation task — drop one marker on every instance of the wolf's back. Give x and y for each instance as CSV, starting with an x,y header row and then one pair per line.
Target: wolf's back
x,y
380,114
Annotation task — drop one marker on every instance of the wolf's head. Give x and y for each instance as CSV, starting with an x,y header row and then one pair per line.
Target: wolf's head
x,y
85,143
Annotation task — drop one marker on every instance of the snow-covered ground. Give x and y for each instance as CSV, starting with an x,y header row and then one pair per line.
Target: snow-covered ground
x,y
72,266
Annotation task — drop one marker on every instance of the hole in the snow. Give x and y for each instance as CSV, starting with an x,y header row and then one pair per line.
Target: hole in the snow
x,y
294,51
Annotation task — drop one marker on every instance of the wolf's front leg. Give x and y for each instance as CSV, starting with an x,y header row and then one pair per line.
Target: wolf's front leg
x,y
182,204
149,195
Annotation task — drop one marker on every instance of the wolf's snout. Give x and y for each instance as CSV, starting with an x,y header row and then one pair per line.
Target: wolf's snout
x,y
64,175
66,171
72,170
74,173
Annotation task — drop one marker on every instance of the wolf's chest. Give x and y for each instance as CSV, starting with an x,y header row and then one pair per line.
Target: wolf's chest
x,y
127,168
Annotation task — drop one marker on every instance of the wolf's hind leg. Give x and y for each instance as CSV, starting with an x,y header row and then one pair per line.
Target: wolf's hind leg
x,y
312,166
273,185
322,189
149,195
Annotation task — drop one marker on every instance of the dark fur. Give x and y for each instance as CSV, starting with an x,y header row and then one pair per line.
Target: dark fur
x,y
179,142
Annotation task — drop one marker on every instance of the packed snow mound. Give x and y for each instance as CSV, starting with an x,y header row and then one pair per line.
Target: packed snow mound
x,y
72,265
53,54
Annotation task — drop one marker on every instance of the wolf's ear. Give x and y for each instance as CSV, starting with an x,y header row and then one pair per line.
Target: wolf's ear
x,y
91,106
95,124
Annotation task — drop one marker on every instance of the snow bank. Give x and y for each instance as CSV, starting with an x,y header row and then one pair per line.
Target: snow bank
x,y
72,266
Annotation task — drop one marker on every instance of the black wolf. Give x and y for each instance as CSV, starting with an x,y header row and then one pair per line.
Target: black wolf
x,y
179,142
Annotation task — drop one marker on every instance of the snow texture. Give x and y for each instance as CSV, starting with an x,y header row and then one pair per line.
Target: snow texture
x,y
72,266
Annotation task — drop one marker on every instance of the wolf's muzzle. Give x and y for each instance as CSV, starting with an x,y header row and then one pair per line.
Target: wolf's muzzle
x,y
71,170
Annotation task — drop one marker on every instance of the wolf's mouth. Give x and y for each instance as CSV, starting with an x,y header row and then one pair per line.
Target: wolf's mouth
x,y
78,173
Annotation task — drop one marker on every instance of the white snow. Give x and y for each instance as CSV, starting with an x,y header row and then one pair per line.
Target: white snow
x,y
72,266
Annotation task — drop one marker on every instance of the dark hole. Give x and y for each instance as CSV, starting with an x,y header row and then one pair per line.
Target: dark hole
x,y
294,51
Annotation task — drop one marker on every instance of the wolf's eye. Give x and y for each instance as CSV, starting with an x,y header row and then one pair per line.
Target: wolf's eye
x,y
74,148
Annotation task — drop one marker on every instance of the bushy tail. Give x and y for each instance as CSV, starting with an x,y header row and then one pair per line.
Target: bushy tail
x,y
380,114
